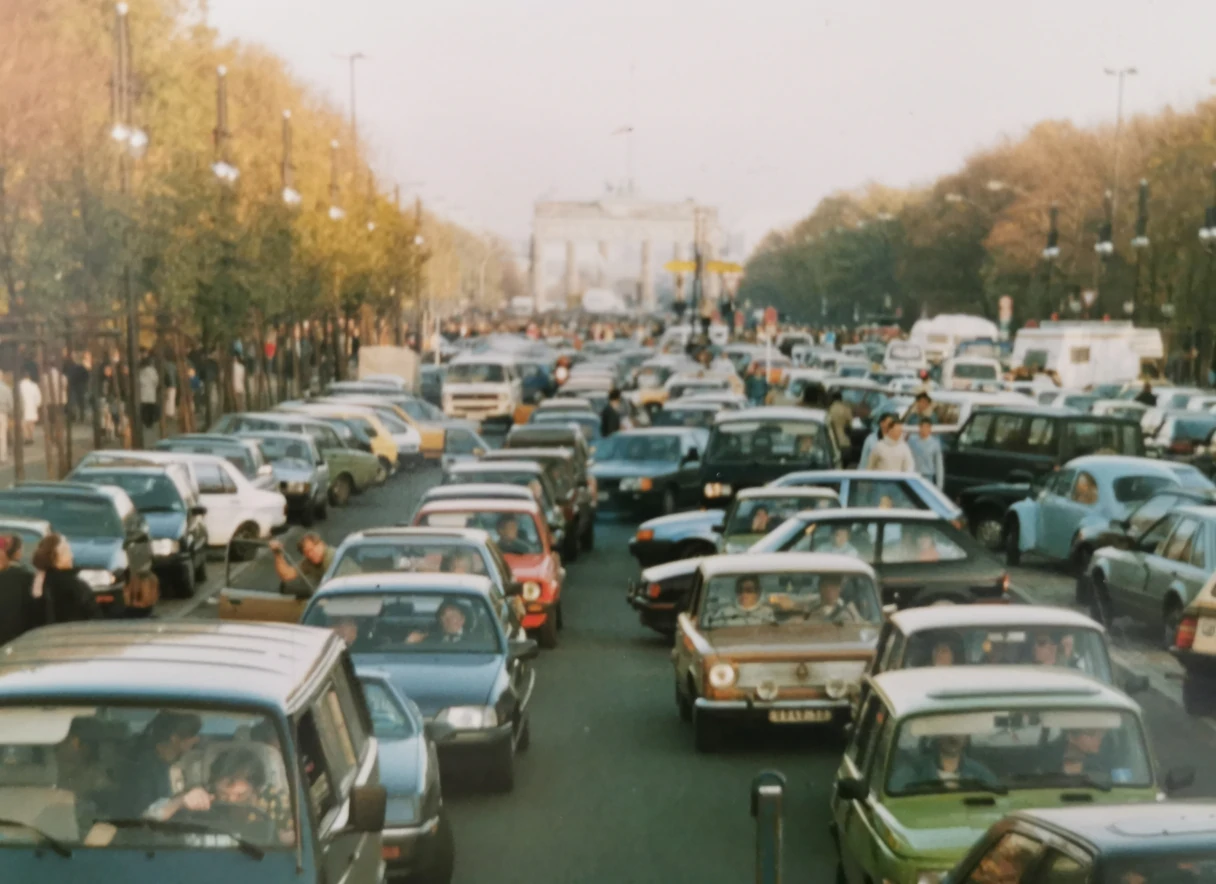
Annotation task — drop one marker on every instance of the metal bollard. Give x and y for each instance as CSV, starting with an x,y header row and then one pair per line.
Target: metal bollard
x,y
768,800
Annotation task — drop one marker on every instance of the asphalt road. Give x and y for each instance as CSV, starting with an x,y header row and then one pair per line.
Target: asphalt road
x,y
611,789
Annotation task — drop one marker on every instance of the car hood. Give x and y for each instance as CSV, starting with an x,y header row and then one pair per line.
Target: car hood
x,y
182,865
668,570
401,766
620,469
850,640
530,567
292,470
91,553
453,423
436,681
683,524
162,525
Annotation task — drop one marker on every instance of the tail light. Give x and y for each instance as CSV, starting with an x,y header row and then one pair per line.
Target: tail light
x,y
644,535
653,590
1182,446
1186,633
1004,583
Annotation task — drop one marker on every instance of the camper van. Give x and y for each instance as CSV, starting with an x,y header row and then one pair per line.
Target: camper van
x,y
940,336
1083,352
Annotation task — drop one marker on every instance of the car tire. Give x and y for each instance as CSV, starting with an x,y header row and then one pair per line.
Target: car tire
x,y
501,773
683,705
242,549
989,531
1101,610
200,569
1171,616
546,633
1013,553
185,581
443,858
588,538
669,502
340,490
525,736
706,732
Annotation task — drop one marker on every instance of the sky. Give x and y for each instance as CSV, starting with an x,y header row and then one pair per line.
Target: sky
x,y
760,107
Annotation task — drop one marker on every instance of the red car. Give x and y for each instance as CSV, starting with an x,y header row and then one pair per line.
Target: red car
x,y
522,535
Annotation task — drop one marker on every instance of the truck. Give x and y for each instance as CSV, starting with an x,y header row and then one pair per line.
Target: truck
x,y
1087,352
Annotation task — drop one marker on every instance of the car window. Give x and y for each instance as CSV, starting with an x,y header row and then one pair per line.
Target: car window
x,y
769,442
316,767
210,479
867,723
1061,482
459,441
1082,650
1007,860
389,720
1085,489
1041,436
843,537
338,745
789,600
523,539
1150,511
1096,437
1199,553
1010,432
911,542
1130,489
149,492
409,622
884,493
975,434
1059,868
1179,546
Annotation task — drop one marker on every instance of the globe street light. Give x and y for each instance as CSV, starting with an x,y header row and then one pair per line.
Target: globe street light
x,y
335,211
223,168
291,196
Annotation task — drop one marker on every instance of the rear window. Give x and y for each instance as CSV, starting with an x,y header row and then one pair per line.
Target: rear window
x,y
1094,437
475,373
1130,489
976,372
1192,430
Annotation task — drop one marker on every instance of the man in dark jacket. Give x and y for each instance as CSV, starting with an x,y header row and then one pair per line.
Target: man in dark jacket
x,y
1146,395
15,597
610,417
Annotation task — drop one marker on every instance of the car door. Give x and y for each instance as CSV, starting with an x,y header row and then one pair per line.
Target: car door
x,y
1171,568
218,494
858,832
252,590
968,461
1055,509
1127,570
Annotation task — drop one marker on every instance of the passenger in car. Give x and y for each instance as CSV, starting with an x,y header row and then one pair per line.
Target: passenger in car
x,y
1078,753
148,775
832,607
458,561
760,520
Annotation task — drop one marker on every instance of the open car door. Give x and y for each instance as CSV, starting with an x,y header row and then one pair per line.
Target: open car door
x,y
252,589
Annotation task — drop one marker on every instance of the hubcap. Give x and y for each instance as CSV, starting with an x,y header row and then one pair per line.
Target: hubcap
x,y
989,533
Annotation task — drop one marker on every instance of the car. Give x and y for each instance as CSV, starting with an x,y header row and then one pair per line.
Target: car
x,y
351,470
398,420
527,474
1194,647
244,453
684,535
1125,843
681,413
417,841
1009,742
111,542
724,399
568,438
571,486
276,706
950,409
701,380
484,387
462,446
1182,435
791,652
475,692
531,553
300,471
998,635
920,558
173,512
1094,490
587,423
396,445
654,470
1003,444
29,531
757,445
650,379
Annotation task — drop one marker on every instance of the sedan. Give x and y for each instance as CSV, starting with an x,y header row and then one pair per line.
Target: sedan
x,y
647,471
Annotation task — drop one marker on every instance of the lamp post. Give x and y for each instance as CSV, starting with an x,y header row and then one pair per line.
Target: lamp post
x,y
223,168
1051,252
1207,236
336,213
291,196
1121,74
1140,242
1104,247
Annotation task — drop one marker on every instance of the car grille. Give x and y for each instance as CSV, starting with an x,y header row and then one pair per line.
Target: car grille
x,y
797,673
608,485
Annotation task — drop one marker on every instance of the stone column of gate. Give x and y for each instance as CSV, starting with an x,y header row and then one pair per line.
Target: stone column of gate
x,y
538,275
647,275
677,254
571,272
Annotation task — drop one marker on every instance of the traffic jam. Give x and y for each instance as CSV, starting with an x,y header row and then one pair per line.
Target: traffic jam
x,y
823,529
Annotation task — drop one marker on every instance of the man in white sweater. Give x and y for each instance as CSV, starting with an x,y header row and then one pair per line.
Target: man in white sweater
x,y
891,452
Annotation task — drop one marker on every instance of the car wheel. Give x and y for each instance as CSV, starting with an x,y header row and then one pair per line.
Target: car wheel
x,y
1013,554
384,471
200,569
989,531
525,736
340,490
683,705
244,542
443,856
1100,607
546,634
588,538
706,733
669,502
501,774
185,581
1170,620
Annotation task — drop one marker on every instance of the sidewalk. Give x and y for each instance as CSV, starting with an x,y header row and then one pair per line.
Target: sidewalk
x,y
82,444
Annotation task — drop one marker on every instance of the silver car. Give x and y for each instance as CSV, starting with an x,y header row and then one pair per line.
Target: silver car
x,y
300,471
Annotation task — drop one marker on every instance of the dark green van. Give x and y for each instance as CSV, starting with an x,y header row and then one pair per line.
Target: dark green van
x,y
186,752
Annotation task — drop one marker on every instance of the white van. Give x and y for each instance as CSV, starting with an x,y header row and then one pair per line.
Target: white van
x,y
1087,352
905,355
484,387
971,373
941,335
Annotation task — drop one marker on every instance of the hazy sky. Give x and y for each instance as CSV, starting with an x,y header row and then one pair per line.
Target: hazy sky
x,y
758,106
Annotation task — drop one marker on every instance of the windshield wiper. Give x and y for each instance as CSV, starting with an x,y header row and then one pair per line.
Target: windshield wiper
x,y
54,843
1064,779
962,784
178,826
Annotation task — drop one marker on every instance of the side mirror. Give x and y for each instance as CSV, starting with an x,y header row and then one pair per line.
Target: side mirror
x,y
514,588
198,511
529,649
889,611
1177,778
367,808
1135,684
852,789
438,731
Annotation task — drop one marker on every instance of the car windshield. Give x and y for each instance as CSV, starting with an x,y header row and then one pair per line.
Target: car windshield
x,y
1191,429
803,443
389,720
755,517
990,748
789,600
279,448
475,373
1083,650
515,533
91,777
154,493
684,417
238,457
652,377
70,516
589,424
416,555
642,447
1174,867
408,622
976,371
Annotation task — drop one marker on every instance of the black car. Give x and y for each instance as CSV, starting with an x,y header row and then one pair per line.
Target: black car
x,y
920,558
430,384
644,472
164,497
1016,444
109,538
1165,843
757,445
661,593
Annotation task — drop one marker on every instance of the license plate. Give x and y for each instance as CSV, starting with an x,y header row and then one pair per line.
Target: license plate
x,y
1205,636
799,716
602,496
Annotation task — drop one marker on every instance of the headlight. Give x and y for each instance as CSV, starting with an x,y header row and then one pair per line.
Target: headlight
x,y
531,591
722,675
836,688
637,484
165,547
469,718
97,578
931,877
296,487
717,489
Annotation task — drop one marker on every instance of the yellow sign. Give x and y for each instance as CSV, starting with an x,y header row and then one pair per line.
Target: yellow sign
x,y
680,266
710,267
724,267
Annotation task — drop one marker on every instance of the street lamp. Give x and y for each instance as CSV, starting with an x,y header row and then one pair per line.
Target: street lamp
x,y
224,170
335,211
291,196
1121,73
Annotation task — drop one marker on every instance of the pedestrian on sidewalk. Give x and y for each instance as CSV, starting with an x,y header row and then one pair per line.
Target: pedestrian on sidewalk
x,y
927,452
31,405
884,420
6,419
891,453
149,389
77,375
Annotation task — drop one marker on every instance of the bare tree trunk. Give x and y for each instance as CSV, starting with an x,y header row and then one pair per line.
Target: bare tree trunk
x,y
186,411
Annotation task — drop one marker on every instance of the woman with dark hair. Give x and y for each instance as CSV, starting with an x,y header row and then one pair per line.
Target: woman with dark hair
x,y
58,594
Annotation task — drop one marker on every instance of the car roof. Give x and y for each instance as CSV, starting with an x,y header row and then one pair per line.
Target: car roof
x,y
482,504
138,469
485,466
1056,411
234,440
489,357
912,620
655,431
782,563
471,584
873,513
525,454
673,404
291,435
774,413
1121,463
808,491
837,475
564,403
263,664
959,688
408,532
66,488
473,489
1165,829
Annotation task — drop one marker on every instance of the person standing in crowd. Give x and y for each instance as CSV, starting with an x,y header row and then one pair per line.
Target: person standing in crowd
x,y
77,374
927,452
238,381
6,419
756,385
1146,396
884,420
170,384
149,388
610,417
15,597
31,405
922,408
891,452
59,595
840,420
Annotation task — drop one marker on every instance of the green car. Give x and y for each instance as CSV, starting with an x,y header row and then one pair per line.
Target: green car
x,y
940,754
351,470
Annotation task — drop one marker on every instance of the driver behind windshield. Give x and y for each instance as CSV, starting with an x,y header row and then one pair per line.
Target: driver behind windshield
x,y
747,608
147,777
760,521
509,540
831,606
449,627
944,761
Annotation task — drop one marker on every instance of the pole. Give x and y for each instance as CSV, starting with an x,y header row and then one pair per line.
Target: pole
x,y
416,281
123,51
767,805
